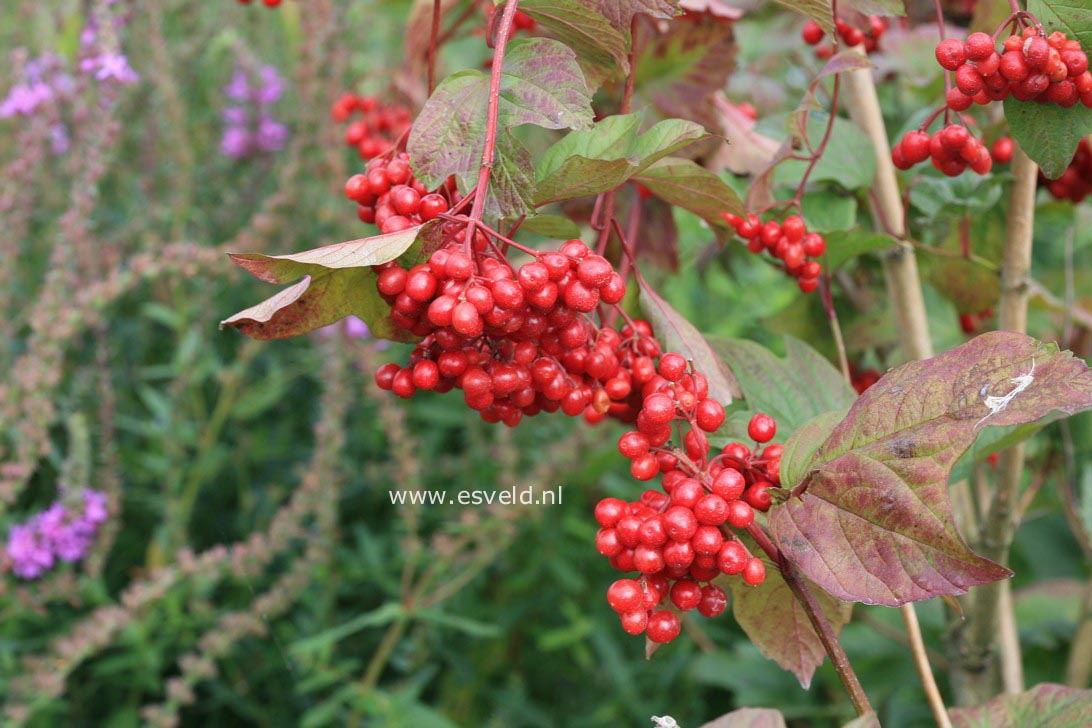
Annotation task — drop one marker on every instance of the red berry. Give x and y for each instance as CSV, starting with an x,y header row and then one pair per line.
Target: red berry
x,y
762,428
635,622
663,627
709,415
754,572
625,595
713,601
740,514
732,558
950,54
979,46
812,33
672,366
685,594
729,484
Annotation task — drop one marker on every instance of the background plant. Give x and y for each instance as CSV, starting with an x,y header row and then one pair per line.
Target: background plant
x,y
253,570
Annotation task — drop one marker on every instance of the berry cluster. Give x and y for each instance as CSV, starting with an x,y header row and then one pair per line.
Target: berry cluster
x,y
862,379
1076,182
952,149
851,35
1030,67
679,539
389,196
789,241
516,342
380,128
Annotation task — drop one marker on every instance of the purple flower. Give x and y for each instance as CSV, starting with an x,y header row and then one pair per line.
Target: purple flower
x,y
235,143
111,67
23,99
271,135
29,555
356,328
94,505
56,532
59,137
235,116
272,86
239,88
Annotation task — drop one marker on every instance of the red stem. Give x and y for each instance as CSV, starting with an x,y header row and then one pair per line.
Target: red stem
x,y
822,144
818,618
432,44
503,33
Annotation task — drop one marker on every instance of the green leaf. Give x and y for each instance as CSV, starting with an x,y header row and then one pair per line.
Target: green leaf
x,y
541,84
334,282
778,624
679,335
844,245
686,184
802,448
389,612
1047,132
600,48
827,210
969,285
587,163
842,161
1072,16
878,495
1044,706
551,226
791,390
877,7
749,718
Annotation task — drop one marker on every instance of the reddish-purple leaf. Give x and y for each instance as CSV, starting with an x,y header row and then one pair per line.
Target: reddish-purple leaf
x,y
679,335
777,623
337,280
688,185
1044,706
747,152
620,12
749,718
874,524
541,84
600,48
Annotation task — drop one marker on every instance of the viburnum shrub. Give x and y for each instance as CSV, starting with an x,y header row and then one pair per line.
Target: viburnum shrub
x,y
518,267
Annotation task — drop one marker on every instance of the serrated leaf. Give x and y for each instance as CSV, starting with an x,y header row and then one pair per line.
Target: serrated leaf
x,y
688,185
1072,16
1048,133
619,13
1044,706
791,390
551,226
541,84
587,163
679,335
802,447
600,48
749,718
875,524
817,10
334,282
777,622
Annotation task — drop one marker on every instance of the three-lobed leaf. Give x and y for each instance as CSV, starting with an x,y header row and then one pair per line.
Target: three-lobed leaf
x,y
541,84
874,523
600,47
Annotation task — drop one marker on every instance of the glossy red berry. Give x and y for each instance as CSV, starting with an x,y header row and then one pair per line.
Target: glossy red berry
x,y
762,428
625,595
663,626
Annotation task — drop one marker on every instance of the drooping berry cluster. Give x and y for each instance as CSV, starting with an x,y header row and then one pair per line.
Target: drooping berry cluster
x,y
850,34
789,241
952,150
1076,182
680,539
380,127
389,196
517,342
1030,67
